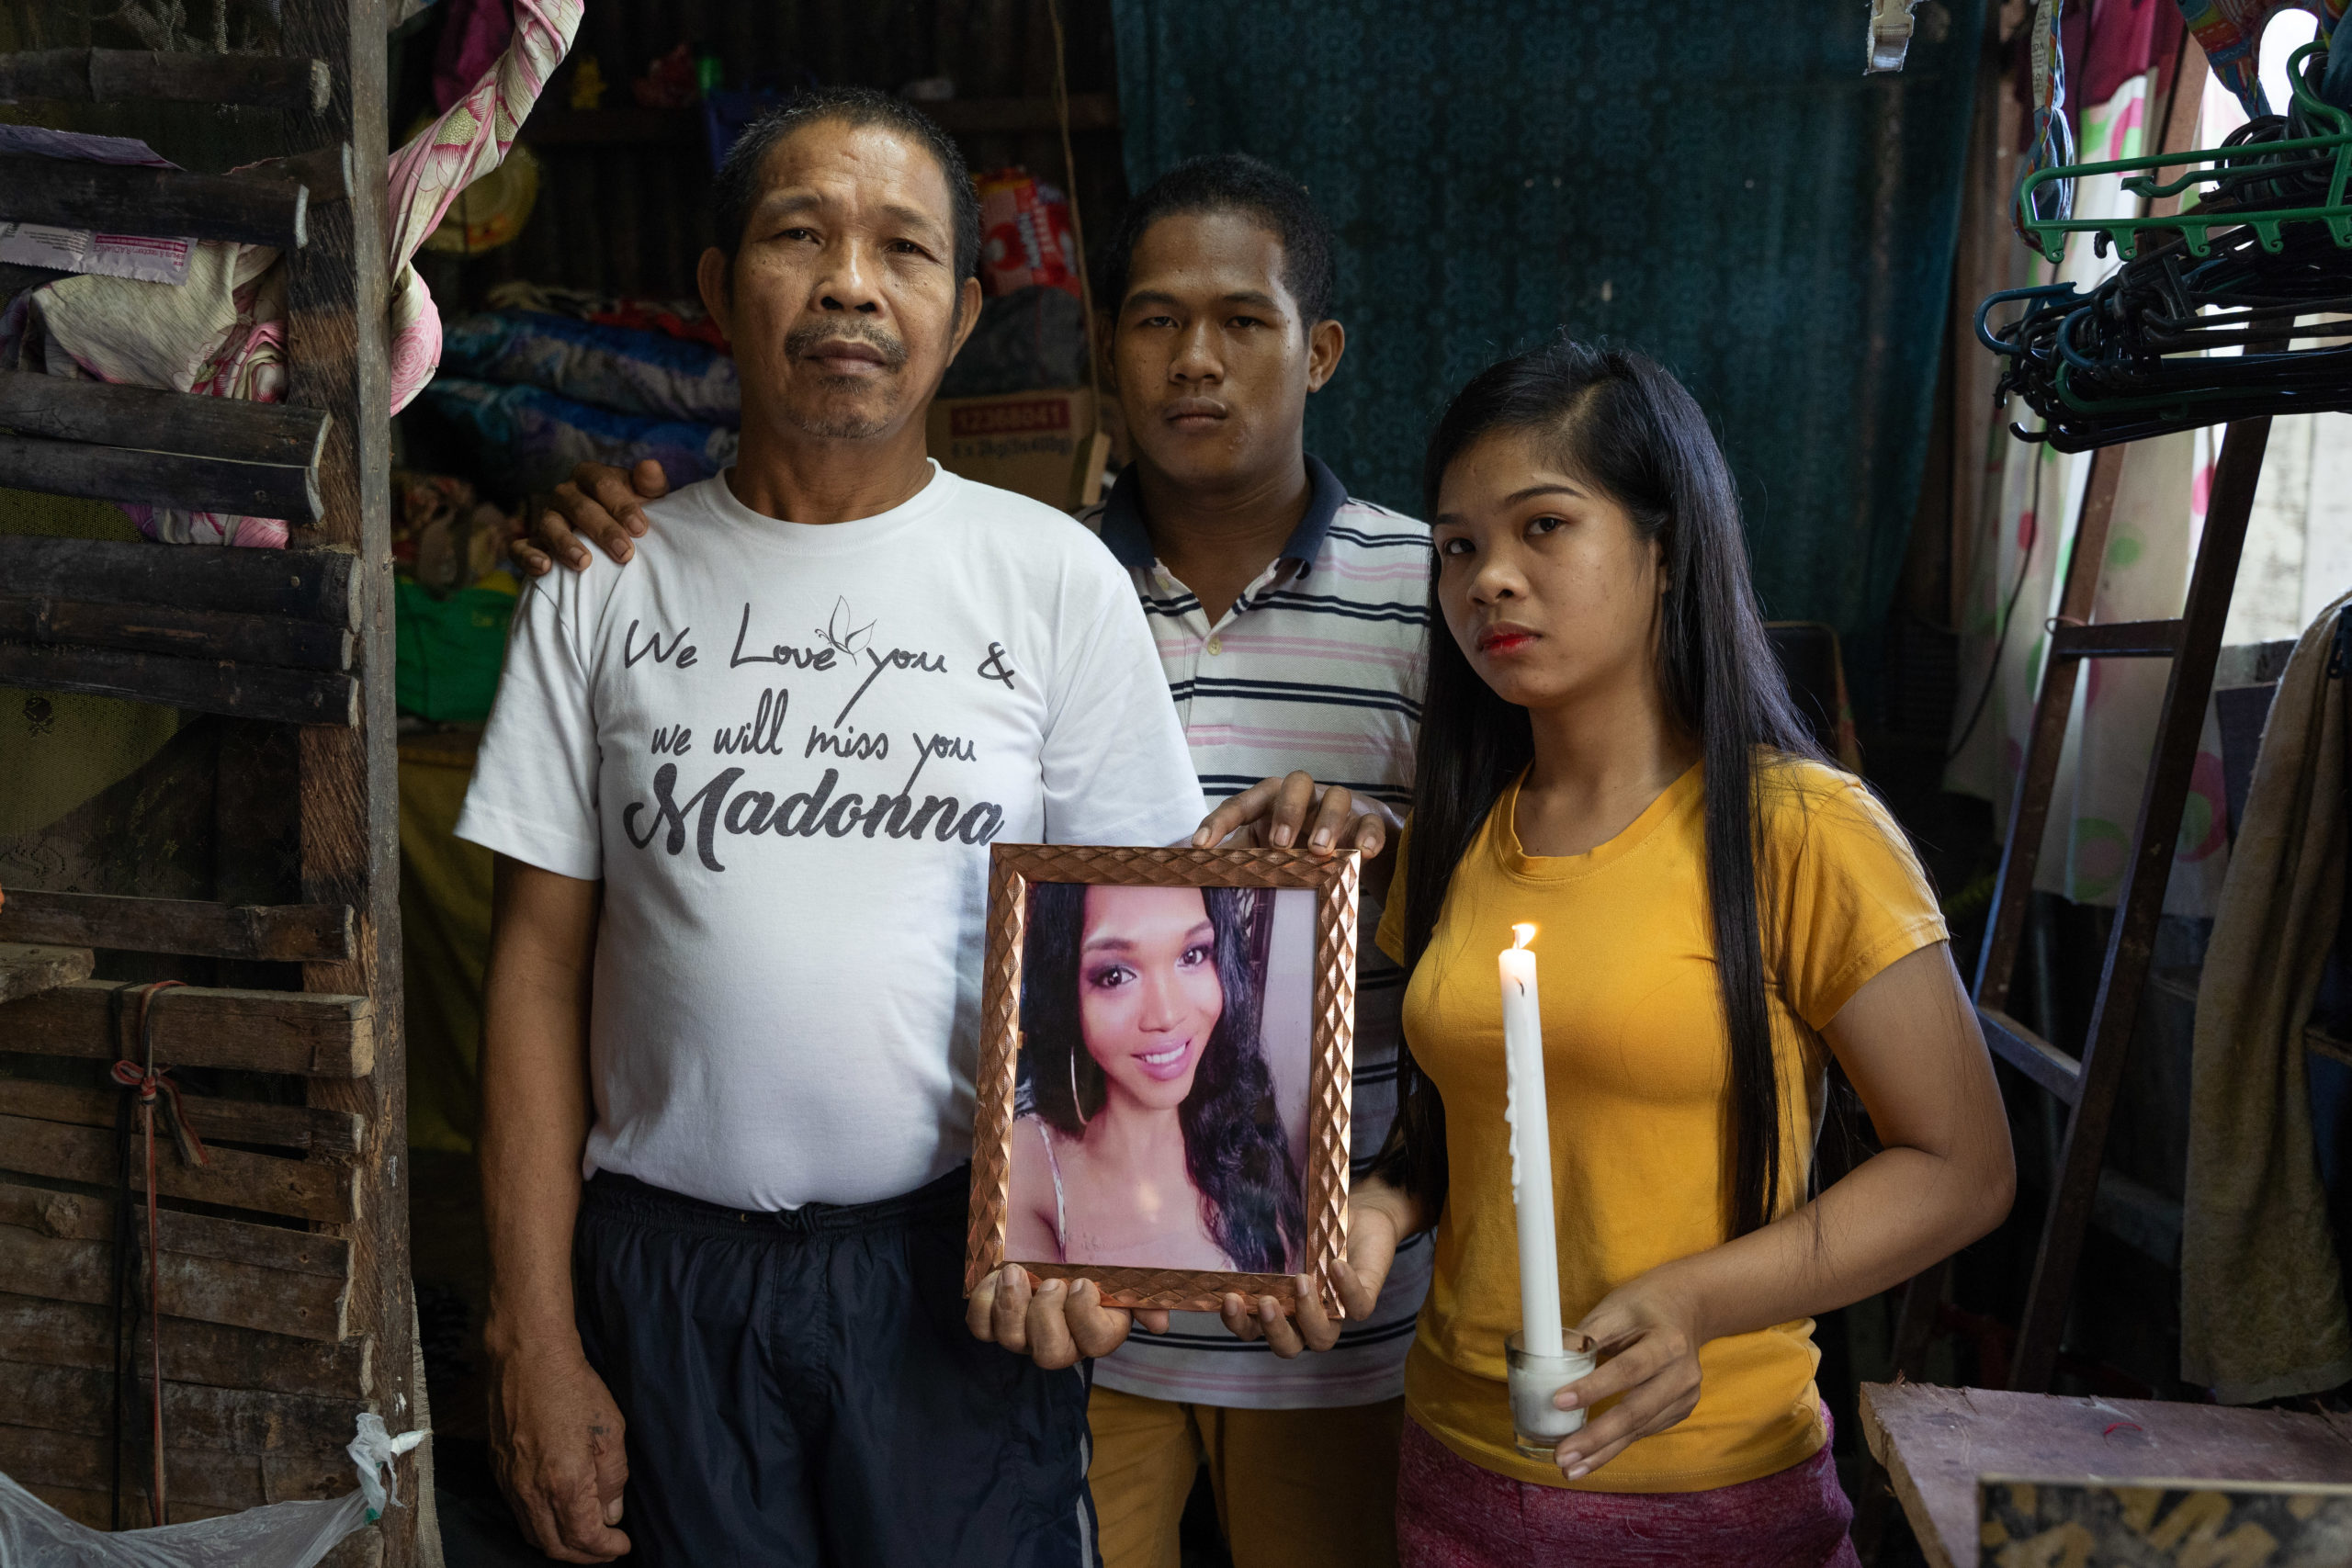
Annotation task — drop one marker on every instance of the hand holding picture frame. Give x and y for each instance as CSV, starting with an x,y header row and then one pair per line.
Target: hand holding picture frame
x,y
1165,1060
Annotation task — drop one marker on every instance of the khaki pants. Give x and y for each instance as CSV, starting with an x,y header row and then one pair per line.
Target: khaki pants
x,y
1294,1488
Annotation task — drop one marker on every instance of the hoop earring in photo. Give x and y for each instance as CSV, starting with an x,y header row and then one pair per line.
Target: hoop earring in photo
x,y
1075,1103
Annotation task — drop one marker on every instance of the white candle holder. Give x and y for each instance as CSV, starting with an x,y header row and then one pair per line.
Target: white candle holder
x,y
1535,1421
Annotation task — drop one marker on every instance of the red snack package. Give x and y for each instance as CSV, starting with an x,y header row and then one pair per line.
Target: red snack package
x,y
1025,235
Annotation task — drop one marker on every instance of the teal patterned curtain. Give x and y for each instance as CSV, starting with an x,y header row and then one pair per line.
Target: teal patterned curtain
x,y
1718,185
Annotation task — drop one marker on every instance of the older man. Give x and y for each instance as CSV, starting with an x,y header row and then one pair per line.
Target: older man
x,y
741,795
1290,625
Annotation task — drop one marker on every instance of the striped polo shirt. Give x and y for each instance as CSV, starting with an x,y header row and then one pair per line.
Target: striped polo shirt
x,y
1318,666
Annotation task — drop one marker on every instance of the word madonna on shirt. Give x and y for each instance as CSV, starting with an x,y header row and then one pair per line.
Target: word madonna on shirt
x,y
785,750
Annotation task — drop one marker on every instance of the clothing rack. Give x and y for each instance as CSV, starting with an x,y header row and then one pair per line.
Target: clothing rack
x,y
285,1298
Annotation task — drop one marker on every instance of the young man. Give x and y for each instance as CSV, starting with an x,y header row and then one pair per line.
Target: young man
x,y
1289,620
741,795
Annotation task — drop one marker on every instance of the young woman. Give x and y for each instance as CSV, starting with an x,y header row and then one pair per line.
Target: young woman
x,y
1155,1141
1608,751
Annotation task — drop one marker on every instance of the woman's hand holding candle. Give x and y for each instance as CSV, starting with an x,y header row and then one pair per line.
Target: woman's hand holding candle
x,y
1650,1331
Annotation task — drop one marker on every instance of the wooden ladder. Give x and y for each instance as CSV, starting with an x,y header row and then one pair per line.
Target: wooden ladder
x,y
287,1291
2088,1085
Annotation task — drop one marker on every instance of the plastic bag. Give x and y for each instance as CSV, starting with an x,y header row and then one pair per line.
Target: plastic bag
x,y
280,1535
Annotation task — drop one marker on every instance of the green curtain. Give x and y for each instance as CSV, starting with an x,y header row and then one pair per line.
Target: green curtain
x,y
1718,185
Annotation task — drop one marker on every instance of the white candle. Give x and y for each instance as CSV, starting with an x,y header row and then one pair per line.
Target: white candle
x,y
1531,1149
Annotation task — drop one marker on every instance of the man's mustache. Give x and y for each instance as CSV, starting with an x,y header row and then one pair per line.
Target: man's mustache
x,y
800,343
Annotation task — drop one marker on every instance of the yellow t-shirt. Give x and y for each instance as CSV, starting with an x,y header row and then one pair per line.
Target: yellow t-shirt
x,y
1635,1068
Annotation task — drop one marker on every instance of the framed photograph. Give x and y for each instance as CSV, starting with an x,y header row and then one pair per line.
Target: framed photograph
x,y
1166,1042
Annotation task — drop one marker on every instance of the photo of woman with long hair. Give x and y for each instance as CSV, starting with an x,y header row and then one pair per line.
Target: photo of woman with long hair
x,y
1154,1139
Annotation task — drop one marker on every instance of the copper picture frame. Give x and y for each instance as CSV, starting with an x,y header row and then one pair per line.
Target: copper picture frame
x,y
1333,880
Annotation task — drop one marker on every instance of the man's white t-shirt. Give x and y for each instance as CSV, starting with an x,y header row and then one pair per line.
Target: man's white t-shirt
x,y
785,748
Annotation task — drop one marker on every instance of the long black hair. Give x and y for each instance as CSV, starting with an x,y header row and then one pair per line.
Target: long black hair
x,y
1234,1148
1621,422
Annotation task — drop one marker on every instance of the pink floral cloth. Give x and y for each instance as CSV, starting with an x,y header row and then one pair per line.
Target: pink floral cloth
x,y
1451,1514
222,332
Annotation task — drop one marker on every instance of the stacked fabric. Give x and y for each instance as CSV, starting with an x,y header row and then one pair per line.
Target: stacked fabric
x,y
536,392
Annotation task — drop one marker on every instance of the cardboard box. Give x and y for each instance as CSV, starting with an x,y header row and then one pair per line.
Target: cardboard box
x,y
1042,444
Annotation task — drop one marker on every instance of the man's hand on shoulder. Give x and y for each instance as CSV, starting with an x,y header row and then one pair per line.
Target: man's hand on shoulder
x,y
1055,1322
556,1444
599,503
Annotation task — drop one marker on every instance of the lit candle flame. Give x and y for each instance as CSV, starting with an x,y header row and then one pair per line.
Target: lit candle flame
x,y
1524,933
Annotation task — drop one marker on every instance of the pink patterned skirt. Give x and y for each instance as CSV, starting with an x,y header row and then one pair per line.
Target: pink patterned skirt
x,y
1451,1514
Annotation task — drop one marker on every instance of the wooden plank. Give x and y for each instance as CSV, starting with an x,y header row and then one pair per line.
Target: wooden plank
x,y
80,1216
337,359
196,1415
2139,904
269,1031
77,1333
120,199
110,415
2032,1054
216,1121
35,1457
28,971
213,635
309,586
205,686
181,479
2117,639
234,1178
130,75
207,1290
325,171
283,932
1935,1442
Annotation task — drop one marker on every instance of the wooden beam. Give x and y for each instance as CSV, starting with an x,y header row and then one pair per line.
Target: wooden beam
x,y
307,585
215,635
2032,1054
26,971
216,1119
337,357
291,933
233,1178
324,172
133,75
110,415
77,1334
242,691
59,1246
302,1306
237,1421
2117,639
79,1216
269,1032
35,1457
180,480
124,198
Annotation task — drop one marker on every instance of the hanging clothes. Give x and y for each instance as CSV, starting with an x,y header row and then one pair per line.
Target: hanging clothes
x,y
2262,1308
222,332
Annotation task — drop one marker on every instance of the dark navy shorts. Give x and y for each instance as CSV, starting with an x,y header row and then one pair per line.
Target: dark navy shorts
x,y
800,1389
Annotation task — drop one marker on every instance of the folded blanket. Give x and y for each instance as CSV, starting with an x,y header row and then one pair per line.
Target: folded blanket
x,y
613,367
